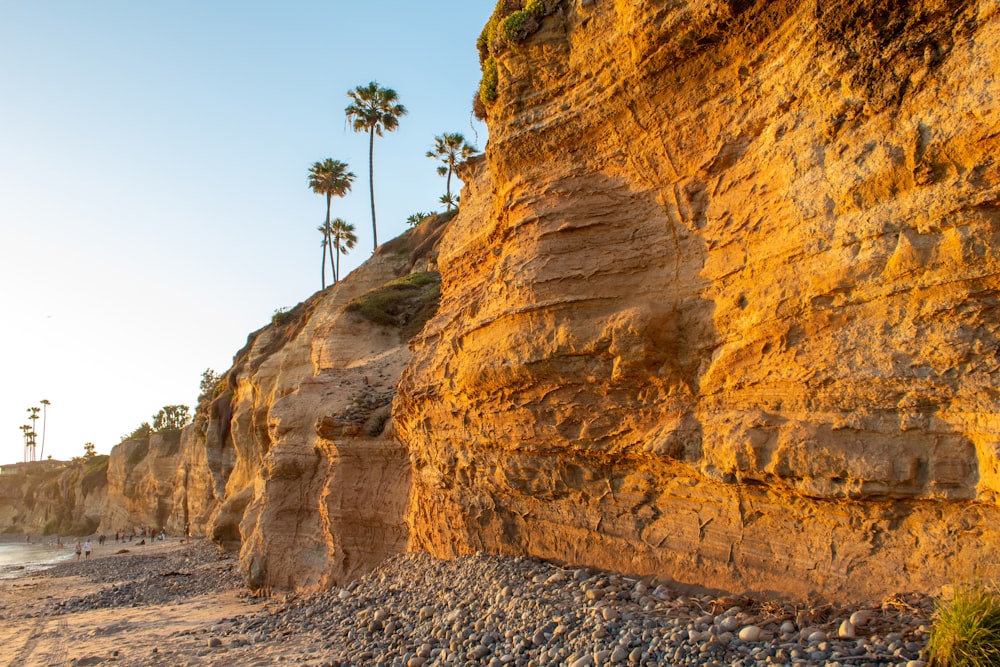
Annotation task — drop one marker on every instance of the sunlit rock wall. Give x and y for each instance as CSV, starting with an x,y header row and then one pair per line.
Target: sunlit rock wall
x,y
722,300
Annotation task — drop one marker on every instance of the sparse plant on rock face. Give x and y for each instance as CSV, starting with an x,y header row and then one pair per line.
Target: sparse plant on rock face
x,y
966,630
280,316
512,22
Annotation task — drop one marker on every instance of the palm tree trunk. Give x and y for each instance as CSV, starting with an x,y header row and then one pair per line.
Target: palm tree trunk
x,y
323,272
335,267
326,239
45,418
447,188
371,183
337,245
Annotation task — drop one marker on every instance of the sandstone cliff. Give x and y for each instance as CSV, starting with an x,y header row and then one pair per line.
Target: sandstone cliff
x,y
721,305
54,497
318,488
722,300
163,480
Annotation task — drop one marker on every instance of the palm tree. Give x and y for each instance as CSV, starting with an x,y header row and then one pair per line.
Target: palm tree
x,y
343,237
45,414
373,109
450,149
330,178
449,201
33,412
26,430
323,229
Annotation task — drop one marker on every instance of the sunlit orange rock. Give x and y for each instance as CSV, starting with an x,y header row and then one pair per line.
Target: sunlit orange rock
x,y
722,300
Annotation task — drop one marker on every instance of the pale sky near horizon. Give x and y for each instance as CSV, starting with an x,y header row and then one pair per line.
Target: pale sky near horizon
x,y
154,207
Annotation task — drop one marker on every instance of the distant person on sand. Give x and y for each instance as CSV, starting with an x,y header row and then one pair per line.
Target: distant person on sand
x,y
79,549
187,533
87,548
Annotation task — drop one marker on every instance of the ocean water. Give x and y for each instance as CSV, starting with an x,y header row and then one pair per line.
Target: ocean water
x,y
19,558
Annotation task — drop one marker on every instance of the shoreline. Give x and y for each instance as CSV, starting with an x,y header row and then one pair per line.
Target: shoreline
x,y
184,604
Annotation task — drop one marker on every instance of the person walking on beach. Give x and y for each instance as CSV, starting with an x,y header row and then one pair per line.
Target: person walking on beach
x,y
87,548
79,549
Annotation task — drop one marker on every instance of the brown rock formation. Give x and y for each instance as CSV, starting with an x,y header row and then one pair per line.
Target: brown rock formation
x,y
53,497
163,480
722,300
319,486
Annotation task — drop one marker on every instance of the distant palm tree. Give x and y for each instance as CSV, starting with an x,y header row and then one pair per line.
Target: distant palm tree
x,y
26,430
329,178
45,415
451,149
373,109
450,201
33,412
343,237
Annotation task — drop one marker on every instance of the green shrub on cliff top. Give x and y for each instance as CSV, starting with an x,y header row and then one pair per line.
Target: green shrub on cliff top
x,y
511,23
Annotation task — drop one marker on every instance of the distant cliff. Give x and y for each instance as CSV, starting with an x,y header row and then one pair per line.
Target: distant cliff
x,y
53,497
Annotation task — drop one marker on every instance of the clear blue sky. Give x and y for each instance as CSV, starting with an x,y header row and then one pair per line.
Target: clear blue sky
x,y
154,207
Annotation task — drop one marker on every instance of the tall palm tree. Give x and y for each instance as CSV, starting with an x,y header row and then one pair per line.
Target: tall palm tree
x,y
329,178
45,415
451,149
342,234
373,109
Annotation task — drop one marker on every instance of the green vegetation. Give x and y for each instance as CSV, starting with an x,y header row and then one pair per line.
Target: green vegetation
x,y
329,178
280,316
89,450
452,150
404,302
966,631
512,22
375,110
171,418
141,431
417,218
488,85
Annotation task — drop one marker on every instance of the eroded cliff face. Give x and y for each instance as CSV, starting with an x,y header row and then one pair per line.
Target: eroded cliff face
x,y
722,300
318,488
169,480
54,497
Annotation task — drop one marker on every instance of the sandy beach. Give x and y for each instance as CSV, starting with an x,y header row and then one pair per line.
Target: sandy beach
x,y
184,604
117,606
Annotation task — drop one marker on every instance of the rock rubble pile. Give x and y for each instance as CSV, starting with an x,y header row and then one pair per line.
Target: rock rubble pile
x,y
416,611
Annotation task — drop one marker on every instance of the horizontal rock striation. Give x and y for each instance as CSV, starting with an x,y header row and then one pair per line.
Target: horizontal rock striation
x,y
722,300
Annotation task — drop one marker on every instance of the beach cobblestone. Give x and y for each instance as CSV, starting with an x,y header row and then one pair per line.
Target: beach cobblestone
x,y
416,611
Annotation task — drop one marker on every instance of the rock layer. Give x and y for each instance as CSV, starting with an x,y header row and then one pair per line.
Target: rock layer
x,y
722,300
